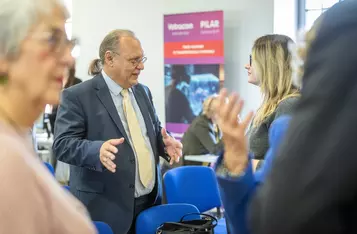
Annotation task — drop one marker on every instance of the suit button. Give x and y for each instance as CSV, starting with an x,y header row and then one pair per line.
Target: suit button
x,y
131,186
132,161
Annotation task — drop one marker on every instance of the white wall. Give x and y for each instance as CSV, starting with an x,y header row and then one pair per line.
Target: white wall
x,y
93,19
285,17
244,22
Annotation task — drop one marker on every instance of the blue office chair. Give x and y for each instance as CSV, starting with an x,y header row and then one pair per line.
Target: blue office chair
x,y
149,220
103,228
195,185
50,168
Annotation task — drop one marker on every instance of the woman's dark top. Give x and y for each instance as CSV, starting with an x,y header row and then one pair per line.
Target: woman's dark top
x,y
201,138
258,136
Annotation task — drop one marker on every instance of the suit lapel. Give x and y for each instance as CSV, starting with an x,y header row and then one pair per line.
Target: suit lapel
x,y
104,96
140,99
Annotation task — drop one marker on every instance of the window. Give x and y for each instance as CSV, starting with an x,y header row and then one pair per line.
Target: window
x,y
310,10
68,4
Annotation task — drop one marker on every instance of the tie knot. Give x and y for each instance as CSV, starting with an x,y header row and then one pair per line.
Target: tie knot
x,y
124,92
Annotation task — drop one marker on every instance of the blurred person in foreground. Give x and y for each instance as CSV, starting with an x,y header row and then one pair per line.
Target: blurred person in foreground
x,y
309,185
270,69
34,52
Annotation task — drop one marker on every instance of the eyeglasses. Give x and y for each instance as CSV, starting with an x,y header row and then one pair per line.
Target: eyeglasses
x,y
250,60
58,42
135,62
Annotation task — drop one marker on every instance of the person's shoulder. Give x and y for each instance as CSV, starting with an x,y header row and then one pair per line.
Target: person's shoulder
x,y
289,101
202,120
287,104
77,80
341,14
342,18
142,87
82,88
13,159
278,129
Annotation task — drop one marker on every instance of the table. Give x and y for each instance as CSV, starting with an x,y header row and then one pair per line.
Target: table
x,y
207,158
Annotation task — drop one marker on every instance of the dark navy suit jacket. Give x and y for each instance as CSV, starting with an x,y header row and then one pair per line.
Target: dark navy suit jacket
x,y
86,118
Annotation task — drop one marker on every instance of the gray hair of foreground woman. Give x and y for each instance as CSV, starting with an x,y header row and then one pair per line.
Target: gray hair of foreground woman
x,y
109,44
17,17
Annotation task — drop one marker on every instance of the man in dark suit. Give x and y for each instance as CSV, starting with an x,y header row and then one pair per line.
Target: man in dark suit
x,y
108,131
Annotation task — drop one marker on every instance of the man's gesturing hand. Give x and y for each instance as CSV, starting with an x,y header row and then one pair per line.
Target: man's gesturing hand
x,y
107,151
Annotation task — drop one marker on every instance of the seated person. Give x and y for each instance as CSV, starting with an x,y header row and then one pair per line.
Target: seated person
x,y
203,135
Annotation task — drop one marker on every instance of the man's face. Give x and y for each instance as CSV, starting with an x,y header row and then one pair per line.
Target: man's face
x,y
129,62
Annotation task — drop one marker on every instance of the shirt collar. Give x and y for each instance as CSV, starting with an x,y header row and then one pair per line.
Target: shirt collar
x,y
112,85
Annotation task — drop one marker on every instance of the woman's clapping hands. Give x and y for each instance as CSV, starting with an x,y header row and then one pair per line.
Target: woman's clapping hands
x,y
233,130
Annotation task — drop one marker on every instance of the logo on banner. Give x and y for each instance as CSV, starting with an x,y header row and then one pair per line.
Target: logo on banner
x,y
174,27
209,24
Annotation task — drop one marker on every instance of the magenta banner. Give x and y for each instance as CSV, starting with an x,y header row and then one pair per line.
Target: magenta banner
x,y
194,58
201,26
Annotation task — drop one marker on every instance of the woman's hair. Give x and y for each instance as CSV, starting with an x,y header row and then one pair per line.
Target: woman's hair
x,y
71,77
17,17
271,60
207,107
109,43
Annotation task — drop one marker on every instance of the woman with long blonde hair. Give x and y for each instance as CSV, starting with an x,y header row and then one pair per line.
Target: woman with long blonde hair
x,y
270,69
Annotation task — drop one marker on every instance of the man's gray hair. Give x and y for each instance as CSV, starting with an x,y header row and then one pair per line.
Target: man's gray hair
x,y
17,17
110,43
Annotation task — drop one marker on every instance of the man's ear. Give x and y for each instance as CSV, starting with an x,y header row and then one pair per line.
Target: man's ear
x,y
108,57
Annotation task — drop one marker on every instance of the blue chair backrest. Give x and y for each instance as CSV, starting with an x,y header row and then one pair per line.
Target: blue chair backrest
x,y
149,220
195,185
50,168
103,228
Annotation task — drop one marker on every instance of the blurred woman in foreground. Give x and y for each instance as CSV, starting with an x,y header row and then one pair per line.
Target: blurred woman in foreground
x,y
34,52
310,187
